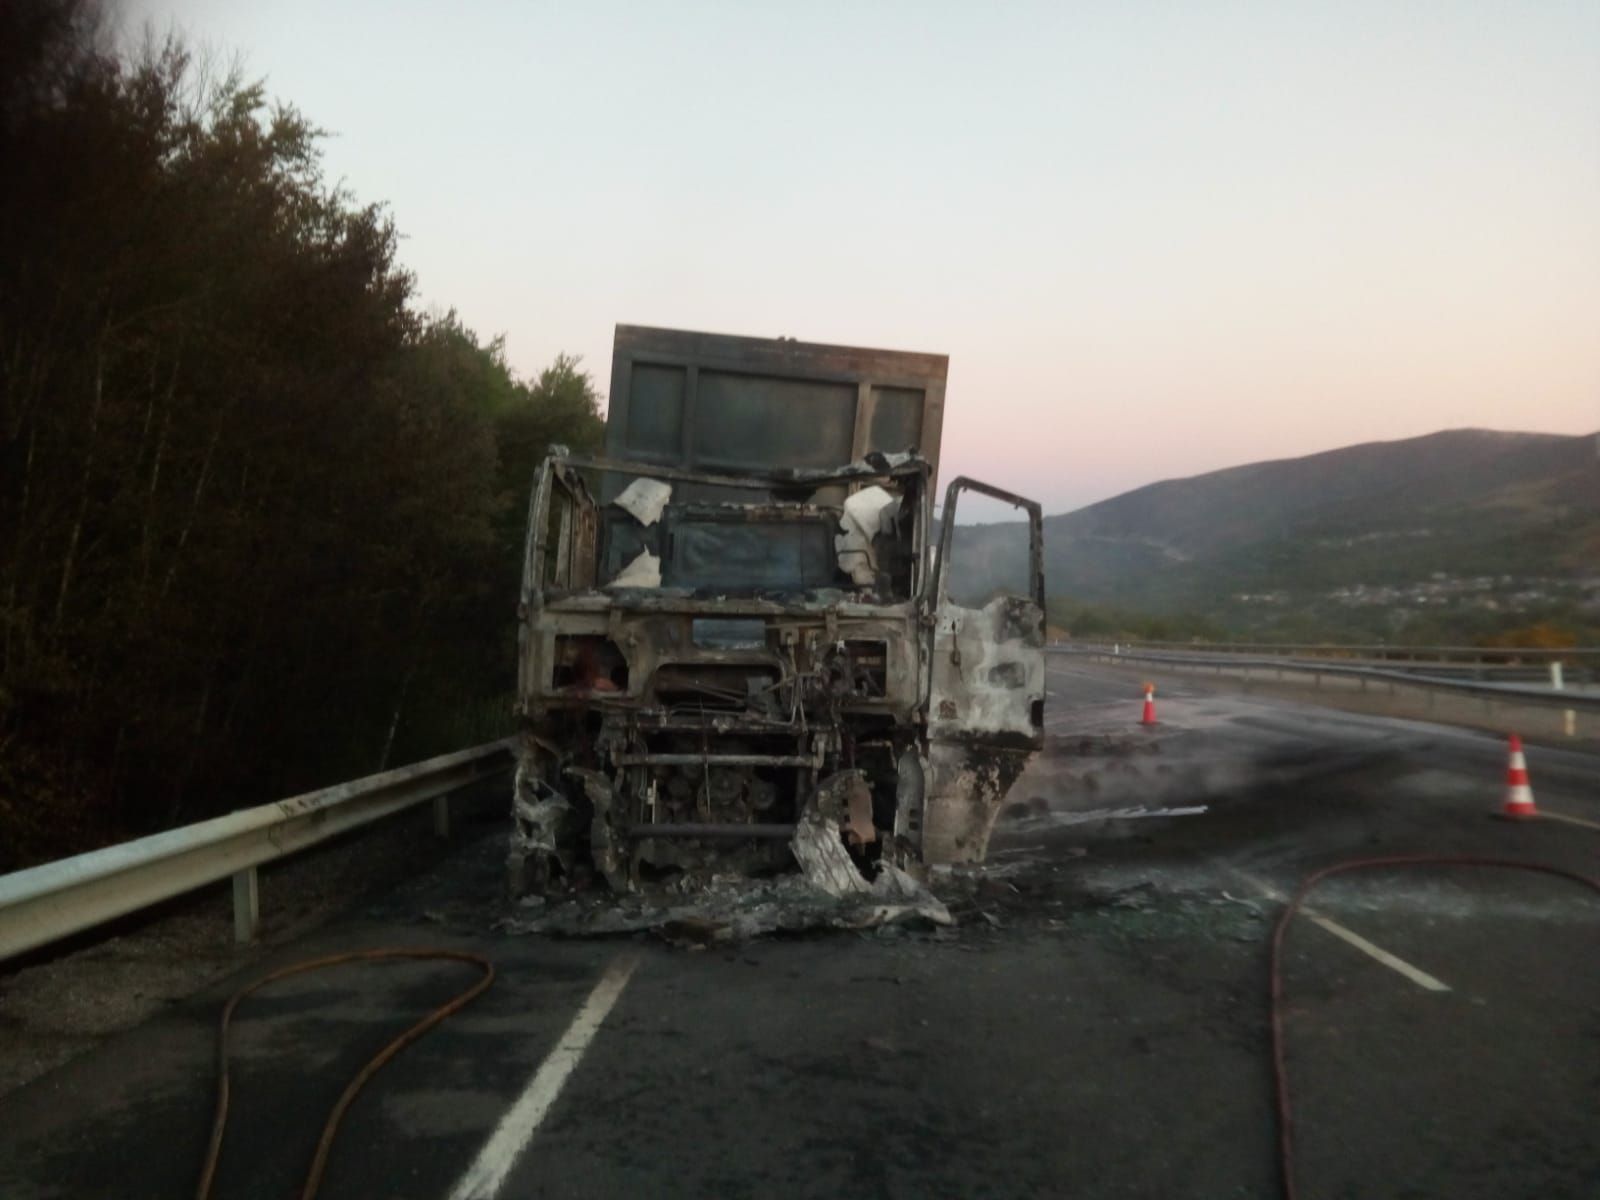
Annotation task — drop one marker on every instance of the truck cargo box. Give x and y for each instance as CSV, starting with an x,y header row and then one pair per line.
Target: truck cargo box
x,y
719,403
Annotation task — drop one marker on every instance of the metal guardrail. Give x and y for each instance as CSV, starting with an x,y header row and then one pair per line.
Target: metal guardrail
x,y
1560,667
1565,699
43,904
1389,652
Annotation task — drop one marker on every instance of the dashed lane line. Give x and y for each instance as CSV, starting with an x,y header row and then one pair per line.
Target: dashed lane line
x,y
1395,963
488,1172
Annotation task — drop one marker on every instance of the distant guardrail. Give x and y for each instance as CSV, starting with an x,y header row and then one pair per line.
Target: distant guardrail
x,y
1477,655
1561,698
1560,666
43,904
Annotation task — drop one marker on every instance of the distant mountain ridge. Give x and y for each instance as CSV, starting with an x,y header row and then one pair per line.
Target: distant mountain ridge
x,y
1459,504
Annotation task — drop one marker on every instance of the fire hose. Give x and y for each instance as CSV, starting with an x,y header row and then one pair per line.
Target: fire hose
x,y
331,1126
1281,1091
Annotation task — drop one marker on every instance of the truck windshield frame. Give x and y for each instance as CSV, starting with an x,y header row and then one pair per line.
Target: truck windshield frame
x,y
807,502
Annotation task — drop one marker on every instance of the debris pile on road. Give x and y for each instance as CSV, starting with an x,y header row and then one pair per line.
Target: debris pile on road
x,y
829,893
735,908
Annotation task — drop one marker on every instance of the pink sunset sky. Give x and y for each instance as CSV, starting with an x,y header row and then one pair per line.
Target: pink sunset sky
x,y
1154,239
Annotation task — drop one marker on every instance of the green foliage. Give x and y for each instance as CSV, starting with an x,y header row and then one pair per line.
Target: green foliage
x,y
260,520
560,408
1541,635
1552,625
1104,622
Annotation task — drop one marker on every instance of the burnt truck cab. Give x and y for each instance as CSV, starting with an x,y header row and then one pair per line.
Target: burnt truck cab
x,y
736,624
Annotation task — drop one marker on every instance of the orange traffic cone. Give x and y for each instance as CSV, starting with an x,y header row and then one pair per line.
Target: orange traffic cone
x,y
1519,795
1149,717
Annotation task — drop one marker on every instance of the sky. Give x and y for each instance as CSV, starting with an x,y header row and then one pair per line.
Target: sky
x,y
1155,239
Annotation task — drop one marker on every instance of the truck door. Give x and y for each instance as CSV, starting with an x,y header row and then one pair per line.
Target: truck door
x,y
985,688
558,555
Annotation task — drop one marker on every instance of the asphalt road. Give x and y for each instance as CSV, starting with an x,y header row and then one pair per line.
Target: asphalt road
x,y
1096,1026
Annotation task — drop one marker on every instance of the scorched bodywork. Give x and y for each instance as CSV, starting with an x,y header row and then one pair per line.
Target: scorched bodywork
x,y
730,668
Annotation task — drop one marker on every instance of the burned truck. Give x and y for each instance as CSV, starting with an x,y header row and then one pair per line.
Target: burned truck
x,y
736,628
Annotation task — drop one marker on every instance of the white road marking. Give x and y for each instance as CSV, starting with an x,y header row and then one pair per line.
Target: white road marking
x,y
1415,974
483,1179
1130,813
1555,816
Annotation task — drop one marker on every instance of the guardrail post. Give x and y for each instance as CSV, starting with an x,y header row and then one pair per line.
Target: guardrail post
x,y
42,904
1569,716
246,906
441,816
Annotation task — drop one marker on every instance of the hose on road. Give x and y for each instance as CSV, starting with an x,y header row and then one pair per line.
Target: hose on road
x,y
1280,1074
331,1126
1285,1113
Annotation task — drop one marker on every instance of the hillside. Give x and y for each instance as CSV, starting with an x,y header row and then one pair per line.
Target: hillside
x,y
1469,524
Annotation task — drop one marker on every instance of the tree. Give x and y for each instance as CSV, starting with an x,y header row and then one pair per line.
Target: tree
x,y
259,518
